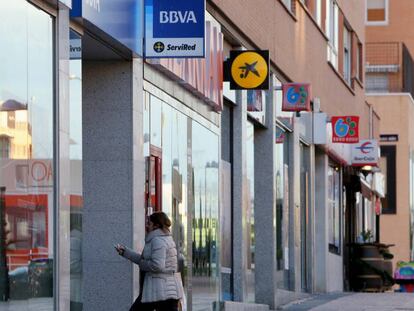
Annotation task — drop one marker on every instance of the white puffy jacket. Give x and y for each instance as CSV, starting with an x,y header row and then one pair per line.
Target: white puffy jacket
x,y
159,262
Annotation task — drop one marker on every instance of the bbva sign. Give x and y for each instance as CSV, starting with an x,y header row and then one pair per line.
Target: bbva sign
x,y
174,17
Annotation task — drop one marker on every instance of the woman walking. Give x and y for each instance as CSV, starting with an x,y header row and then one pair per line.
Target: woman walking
x,y
162,288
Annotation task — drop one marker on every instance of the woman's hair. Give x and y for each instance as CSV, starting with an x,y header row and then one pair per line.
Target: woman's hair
x,y
161,220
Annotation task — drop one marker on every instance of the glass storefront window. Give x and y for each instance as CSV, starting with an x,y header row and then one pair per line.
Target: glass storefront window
x,y
169,140
165,137
334,204
282,207
27,208
250,210
205,248
75,156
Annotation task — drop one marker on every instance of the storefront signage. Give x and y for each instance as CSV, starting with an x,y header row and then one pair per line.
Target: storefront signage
x,y
296,97
123,20
174,28
345,129
365,153
75,48
248,70
203,77
389,138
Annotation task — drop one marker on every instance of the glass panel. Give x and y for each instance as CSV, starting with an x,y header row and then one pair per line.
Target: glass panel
x,y
146,125
169,127
75,155
304,211
284,117
156,121
179,212
205,281
167,166
334,202
282,207
250,211
26,174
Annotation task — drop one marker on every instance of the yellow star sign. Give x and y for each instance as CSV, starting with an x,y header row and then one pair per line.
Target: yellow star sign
x,y
249,69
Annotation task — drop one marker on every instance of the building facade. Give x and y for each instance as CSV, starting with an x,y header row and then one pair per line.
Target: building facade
x,y
389,68
94,138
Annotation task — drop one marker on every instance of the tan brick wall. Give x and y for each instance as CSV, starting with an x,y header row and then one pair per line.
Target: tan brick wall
x,y
400,25
397,113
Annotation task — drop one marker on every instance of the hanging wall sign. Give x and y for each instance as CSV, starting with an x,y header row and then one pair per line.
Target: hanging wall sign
x,y
174,28
345,129
248,70
365,153
296,97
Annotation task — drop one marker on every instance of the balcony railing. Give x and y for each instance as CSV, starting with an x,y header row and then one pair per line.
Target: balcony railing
x,y
389,68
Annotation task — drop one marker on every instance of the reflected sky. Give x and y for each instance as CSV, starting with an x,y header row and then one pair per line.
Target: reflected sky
x,y
27,67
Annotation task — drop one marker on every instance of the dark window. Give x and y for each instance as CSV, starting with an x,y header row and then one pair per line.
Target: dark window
x,y
388,167
4,147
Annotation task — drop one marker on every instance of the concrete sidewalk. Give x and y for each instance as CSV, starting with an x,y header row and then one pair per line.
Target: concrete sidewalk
x,y
355,302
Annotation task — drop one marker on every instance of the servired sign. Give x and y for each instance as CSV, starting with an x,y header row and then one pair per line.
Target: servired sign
x,y
174,28
296,97
345,129
203,77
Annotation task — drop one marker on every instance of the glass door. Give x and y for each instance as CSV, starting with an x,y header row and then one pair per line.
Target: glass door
x,y
304,214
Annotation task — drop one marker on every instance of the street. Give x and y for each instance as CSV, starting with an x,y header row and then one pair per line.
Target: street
x,y
355,302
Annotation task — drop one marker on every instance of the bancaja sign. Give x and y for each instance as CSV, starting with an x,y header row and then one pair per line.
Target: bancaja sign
x,y
203,77
123,20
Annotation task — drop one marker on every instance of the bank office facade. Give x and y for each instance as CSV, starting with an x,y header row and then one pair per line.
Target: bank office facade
x,y
133,137
138,136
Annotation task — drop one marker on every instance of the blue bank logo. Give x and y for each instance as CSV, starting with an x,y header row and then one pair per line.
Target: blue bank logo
x,y
178,19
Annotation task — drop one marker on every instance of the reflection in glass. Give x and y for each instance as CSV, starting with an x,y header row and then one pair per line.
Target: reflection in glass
x,y
205,246
250,210
334,208
75,155
26,162
284,117
156,121
166,129
282,207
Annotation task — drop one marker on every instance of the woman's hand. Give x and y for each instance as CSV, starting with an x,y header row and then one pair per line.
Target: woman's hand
x,y
120,249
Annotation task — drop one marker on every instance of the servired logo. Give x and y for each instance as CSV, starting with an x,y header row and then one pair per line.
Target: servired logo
x,y
365,147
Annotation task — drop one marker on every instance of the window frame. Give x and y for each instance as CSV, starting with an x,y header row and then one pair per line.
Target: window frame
x,y
389,203
359,62
347,55
5,147
332,32
377,23
335,246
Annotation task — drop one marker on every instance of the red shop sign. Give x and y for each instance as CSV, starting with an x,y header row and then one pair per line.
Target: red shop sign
x,y
345,129
296,97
